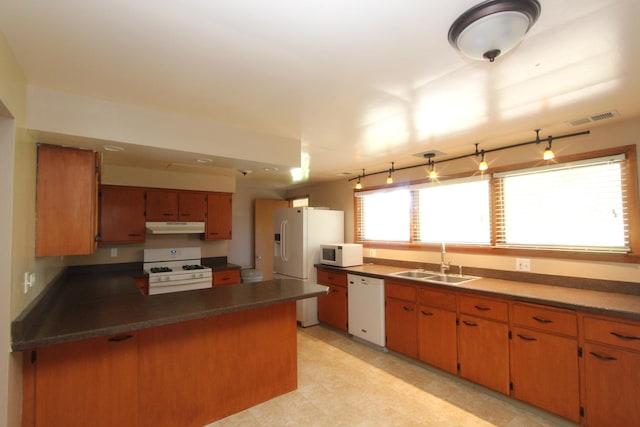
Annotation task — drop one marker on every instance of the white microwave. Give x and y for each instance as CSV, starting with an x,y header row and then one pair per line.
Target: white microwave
x,y
341,254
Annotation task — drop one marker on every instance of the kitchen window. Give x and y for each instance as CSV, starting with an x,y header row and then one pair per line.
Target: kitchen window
x,y
583,206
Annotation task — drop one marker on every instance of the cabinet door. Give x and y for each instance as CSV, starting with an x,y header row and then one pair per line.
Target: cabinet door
x,y
544,371
218,216
612,386
437,342
66,201
122,215
162,205
88,383
401,327
192,206
483,352
333,307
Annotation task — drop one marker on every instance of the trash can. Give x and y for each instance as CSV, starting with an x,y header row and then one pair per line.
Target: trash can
x,y
249,275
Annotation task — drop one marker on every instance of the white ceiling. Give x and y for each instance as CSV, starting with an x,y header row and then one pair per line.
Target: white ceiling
x,y
360,82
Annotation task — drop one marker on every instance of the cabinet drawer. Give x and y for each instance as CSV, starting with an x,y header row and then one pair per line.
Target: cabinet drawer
x,y
484,307
444,300
401,292
546,319
620,334
226,277
326,277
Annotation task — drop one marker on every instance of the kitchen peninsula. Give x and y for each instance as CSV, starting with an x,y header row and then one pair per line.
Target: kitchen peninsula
x,y
98,352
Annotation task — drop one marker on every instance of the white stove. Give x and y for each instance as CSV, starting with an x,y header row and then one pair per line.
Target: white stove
x,y
175,270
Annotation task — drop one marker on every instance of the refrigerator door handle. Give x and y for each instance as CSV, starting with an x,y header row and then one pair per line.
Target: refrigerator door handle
x,y
283,240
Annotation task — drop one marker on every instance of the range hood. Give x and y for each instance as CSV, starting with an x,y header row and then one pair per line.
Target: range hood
x,y
175,227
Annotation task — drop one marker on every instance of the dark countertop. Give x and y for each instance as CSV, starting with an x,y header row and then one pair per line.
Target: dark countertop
x,y
86,305
611,303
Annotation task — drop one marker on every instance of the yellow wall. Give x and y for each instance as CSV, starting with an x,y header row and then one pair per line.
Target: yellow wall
x,y
339,195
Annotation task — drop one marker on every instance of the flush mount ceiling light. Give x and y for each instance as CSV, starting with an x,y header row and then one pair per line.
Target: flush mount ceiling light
x,y
492,28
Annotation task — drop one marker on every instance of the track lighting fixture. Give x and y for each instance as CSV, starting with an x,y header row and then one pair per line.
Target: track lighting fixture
x,y
389,178
482,166
359,184
548,154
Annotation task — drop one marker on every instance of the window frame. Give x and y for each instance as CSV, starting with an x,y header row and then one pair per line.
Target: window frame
x,y
633,205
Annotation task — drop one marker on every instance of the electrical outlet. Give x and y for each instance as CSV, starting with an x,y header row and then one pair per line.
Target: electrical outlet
x,y
523,264
114,252
372,253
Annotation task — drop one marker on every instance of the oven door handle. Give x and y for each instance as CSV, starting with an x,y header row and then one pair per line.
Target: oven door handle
x,y
181,282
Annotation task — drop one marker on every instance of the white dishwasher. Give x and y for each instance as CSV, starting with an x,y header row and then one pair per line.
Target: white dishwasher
x,y
366,308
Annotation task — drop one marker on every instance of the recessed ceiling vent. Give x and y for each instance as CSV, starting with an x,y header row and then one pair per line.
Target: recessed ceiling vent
x,y
594,118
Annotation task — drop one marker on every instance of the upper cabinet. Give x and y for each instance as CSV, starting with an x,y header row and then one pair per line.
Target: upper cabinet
x,y
122,214
66,201
173,205
124,211
218,225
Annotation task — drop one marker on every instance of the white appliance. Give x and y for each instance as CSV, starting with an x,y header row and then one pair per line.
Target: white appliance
x,y
174,227
175,270
366,308
298,234
341,254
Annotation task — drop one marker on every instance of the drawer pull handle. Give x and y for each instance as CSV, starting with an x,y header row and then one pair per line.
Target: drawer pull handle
x,y
120,338
133,235
526,338
625,337
466,322
602,357
541,320
407,308
334,290
482,308
426,313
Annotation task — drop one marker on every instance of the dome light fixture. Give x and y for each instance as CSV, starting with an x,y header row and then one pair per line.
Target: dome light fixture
x,y
493,27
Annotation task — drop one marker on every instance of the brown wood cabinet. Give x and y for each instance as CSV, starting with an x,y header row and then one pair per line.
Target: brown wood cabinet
x,y
611,371
184,374
437,331
544,359
226,277
66,201
483,342
192,206
162,205
219,216
90,382
401,321
333,307
122,214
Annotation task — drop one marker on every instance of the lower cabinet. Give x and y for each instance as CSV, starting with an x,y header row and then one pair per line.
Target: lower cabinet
x,y
186,374
333,307
90,382
401,318
437,332
483,352
544,359
611,358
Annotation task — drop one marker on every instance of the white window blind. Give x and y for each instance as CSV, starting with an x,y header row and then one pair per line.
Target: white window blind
x,y
383,215
576,206
456,211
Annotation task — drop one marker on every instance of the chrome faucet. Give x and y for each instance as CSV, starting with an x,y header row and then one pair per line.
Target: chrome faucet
x,y
444,266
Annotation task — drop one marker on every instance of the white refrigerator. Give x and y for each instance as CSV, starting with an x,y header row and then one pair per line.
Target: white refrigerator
x,y
298,234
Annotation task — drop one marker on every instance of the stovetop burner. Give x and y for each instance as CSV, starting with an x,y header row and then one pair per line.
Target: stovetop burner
x,y
160,269
192,267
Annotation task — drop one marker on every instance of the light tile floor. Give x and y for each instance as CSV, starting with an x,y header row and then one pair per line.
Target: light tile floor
x,y
343,382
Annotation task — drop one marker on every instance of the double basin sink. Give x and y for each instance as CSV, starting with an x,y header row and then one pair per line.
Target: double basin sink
x,y
434,277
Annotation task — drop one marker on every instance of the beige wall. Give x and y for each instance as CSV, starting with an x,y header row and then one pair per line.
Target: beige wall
x,y
339,195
